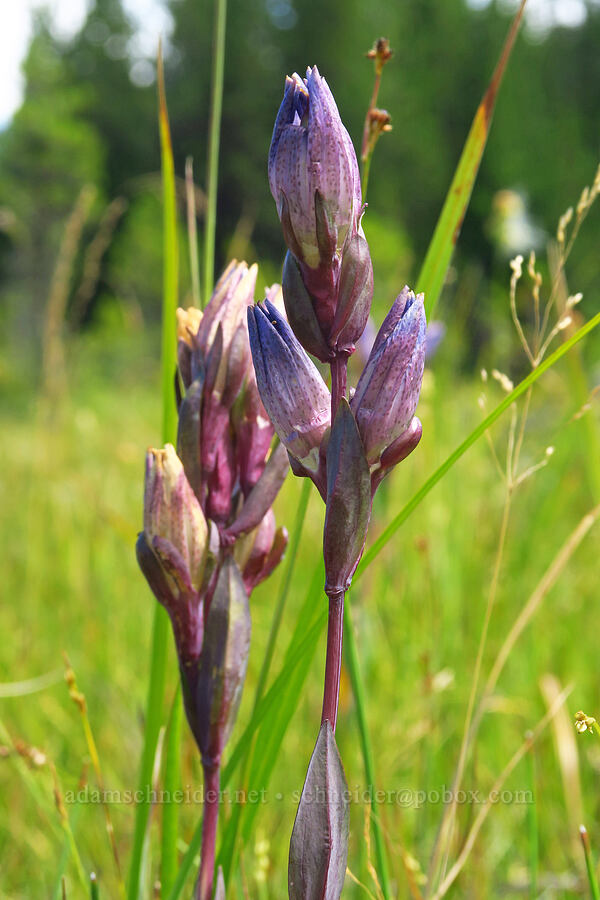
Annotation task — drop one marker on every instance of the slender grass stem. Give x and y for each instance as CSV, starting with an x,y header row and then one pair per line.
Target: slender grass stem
x,y
172,781
190,195
589,863
533,828
353,664
214,137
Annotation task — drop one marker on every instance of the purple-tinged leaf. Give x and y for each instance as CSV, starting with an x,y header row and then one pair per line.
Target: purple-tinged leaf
x,y
300,310
355,294
188,435
348,501
402,447
327,233
260,563
223,663
263,494
319,844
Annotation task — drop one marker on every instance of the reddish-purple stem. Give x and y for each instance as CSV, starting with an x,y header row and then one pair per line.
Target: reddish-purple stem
x,y
204,886
333,660
335,625
339,373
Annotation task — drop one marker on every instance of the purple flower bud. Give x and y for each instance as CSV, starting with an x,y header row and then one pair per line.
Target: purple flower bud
x,y
173,514
311,152
388,389
259,552
172,551
293,393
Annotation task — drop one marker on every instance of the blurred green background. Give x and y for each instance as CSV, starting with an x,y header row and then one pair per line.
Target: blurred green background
x,y
80,293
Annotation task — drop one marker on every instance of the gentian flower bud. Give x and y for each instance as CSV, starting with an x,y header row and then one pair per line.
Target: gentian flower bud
x,y
173,516
387,392
293,393
173,547
311,152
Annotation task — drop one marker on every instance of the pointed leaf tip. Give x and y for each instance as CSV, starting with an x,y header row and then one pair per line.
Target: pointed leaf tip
x,y
319,844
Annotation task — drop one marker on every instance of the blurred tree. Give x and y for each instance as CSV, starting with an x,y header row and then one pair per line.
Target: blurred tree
x,y
49,152
89,114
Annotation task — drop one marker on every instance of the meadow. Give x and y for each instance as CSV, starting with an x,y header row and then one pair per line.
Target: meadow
x,y
471,639
72,508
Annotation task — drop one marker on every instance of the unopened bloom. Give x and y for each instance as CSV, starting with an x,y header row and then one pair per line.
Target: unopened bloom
x,y
173,547
388,390
173,519
311,152
293,393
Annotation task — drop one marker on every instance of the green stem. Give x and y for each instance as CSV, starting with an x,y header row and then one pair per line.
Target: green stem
x,y
589,863
212,174
172,783
534,841
352,661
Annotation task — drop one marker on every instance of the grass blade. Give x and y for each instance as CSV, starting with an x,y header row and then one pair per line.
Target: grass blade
x,y
388,532
190,196
589,863
214,136
300,651
160,629
353,664
228,844
172,782
434,268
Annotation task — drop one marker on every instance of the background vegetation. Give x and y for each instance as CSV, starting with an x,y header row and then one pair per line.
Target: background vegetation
x,y
80,289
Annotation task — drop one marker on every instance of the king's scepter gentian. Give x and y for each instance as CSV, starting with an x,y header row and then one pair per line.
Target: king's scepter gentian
x,y
209,531
327,289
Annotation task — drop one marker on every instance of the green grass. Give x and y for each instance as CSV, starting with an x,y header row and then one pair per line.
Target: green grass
x,y
72,501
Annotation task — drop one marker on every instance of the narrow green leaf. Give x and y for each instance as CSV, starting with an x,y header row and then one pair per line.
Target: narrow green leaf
x,y
160,628
388,532
589,863
433,272
214,136
358,690
172,782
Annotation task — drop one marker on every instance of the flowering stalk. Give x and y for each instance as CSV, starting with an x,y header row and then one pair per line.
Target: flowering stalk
x,y
345,445
209,532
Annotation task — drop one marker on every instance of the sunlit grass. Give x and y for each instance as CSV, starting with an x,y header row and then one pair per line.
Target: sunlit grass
x,y
72,506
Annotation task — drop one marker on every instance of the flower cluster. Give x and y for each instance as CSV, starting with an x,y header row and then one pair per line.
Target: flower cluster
x,y
346,445
209,531
346,442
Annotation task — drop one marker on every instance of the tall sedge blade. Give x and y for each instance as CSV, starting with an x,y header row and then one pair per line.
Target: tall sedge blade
x,y
433,272
319,845
160,630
